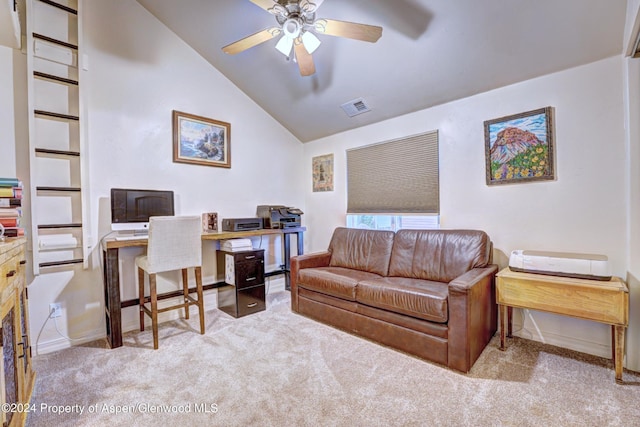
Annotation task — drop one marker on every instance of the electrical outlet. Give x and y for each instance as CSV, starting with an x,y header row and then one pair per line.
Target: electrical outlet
x,y
56,308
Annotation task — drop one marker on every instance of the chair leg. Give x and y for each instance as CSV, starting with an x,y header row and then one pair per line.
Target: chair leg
x,y
198,271
185,290
154,309
141,296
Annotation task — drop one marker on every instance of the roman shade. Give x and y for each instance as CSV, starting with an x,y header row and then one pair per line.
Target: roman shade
x,y
397,176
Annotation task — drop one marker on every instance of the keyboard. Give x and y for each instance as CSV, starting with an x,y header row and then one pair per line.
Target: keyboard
x,y
132,237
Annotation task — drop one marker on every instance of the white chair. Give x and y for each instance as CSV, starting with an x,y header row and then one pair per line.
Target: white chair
x,y
174,244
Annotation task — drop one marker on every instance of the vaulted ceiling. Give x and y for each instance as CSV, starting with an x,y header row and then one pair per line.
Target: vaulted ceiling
x,y
431,52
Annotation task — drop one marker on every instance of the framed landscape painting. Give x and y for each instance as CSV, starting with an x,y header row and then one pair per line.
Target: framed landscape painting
x,y
201,141
519,148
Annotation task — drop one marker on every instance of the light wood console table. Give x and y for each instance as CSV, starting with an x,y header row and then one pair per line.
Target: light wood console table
x,y
600,301
111,274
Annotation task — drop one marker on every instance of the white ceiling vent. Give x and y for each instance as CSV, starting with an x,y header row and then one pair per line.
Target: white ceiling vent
x,y
355,107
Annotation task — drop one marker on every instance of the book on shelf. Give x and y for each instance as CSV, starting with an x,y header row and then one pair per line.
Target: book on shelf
x,y
10,182
13,231
10,222
13,192
10,212
10,202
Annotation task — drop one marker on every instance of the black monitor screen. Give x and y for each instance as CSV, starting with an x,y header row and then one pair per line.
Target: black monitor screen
x,y
130,206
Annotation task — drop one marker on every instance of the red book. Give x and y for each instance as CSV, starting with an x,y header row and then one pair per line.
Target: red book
x,y
9,222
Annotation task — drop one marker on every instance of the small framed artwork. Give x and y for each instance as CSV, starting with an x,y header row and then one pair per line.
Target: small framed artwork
x,y
323,173
519,148
210,222
201,141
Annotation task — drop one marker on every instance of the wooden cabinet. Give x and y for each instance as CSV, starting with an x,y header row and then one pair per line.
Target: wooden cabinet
x,y
244,275
16,373
600,301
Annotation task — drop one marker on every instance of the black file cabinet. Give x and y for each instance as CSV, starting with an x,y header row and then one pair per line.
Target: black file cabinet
x,y
244,275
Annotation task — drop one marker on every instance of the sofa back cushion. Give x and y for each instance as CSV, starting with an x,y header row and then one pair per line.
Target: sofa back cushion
x,y
439,255
364,250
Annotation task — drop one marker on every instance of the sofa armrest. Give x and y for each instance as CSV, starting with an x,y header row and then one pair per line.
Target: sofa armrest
x,y
317,259
471,278
473,315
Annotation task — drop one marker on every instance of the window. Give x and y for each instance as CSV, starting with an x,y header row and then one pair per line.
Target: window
x,y
394,184
393,222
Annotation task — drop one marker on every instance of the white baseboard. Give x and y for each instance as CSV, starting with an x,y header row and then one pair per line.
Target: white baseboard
x,y
272,285
531,331
61,343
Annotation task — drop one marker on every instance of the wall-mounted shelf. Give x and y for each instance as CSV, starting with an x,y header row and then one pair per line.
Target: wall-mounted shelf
x,y
56,133
54,78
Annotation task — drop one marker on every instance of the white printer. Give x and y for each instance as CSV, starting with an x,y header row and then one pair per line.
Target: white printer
x,y
584,266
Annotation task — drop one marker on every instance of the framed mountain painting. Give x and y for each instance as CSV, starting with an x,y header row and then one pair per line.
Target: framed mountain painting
x,y
519,148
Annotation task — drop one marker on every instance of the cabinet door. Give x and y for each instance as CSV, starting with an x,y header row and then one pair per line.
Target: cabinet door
x,y
24,346
10,373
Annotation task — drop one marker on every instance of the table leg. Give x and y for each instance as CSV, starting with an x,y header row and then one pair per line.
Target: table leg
x,y
287,261
300,238
112,298
509,322
619,351
613,343
503,309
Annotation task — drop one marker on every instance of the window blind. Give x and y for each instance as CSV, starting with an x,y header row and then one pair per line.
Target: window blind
x,y
398,176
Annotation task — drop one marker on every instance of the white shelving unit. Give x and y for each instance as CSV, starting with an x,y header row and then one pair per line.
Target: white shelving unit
x,y
56,135
10,24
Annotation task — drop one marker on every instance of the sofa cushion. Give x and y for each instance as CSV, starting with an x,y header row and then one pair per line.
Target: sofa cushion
x,y
337,281
364,250
413,297
438,255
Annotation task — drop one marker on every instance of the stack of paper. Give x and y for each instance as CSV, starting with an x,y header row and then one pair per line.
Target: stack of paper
x,y
236,245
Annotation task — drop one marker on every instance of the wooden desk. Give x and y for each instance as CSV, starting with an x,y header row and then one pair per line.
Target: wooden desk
x,y
111,274
601,301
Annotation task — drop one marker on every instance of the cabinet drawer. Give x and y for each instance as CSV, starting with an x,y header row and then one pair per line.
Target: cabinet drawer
x,y
10,276
255,255
250,300
249,273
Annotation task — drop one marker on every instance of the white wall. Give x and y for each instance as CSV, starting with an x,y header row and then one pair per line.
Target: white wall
x,y
139,71
583,210
632,101
7,136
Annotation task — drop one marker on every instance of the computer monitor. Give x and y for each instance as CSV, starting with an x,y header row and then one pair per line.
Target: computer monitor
x,y
131,208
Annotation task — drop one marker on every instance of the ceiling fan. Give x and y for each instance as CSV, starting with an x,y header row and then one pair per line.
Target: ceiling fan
x,y
297,23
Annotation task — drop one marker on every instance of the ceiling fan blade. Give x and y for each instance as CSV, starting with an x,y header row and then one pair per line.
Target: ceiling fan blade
x,y
305,60
310,6
251,41
271,6
363,32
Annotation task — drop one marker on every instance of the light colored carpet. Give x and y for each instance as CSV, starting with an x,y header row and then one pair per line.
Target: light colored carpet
x,y
276,368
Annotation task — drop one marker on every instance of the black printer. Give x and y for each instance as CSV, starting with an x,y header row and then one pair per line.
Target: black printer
x,y
278,216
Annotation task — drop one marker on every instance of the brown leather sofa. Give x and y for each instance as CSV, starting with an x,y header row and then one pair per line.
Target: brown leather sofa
x,y
429,293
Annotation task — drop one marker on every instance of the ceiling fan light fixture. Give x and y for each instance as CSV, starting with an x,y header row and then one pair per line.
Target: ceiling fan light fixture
x,y
284,45
310,41
292,27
